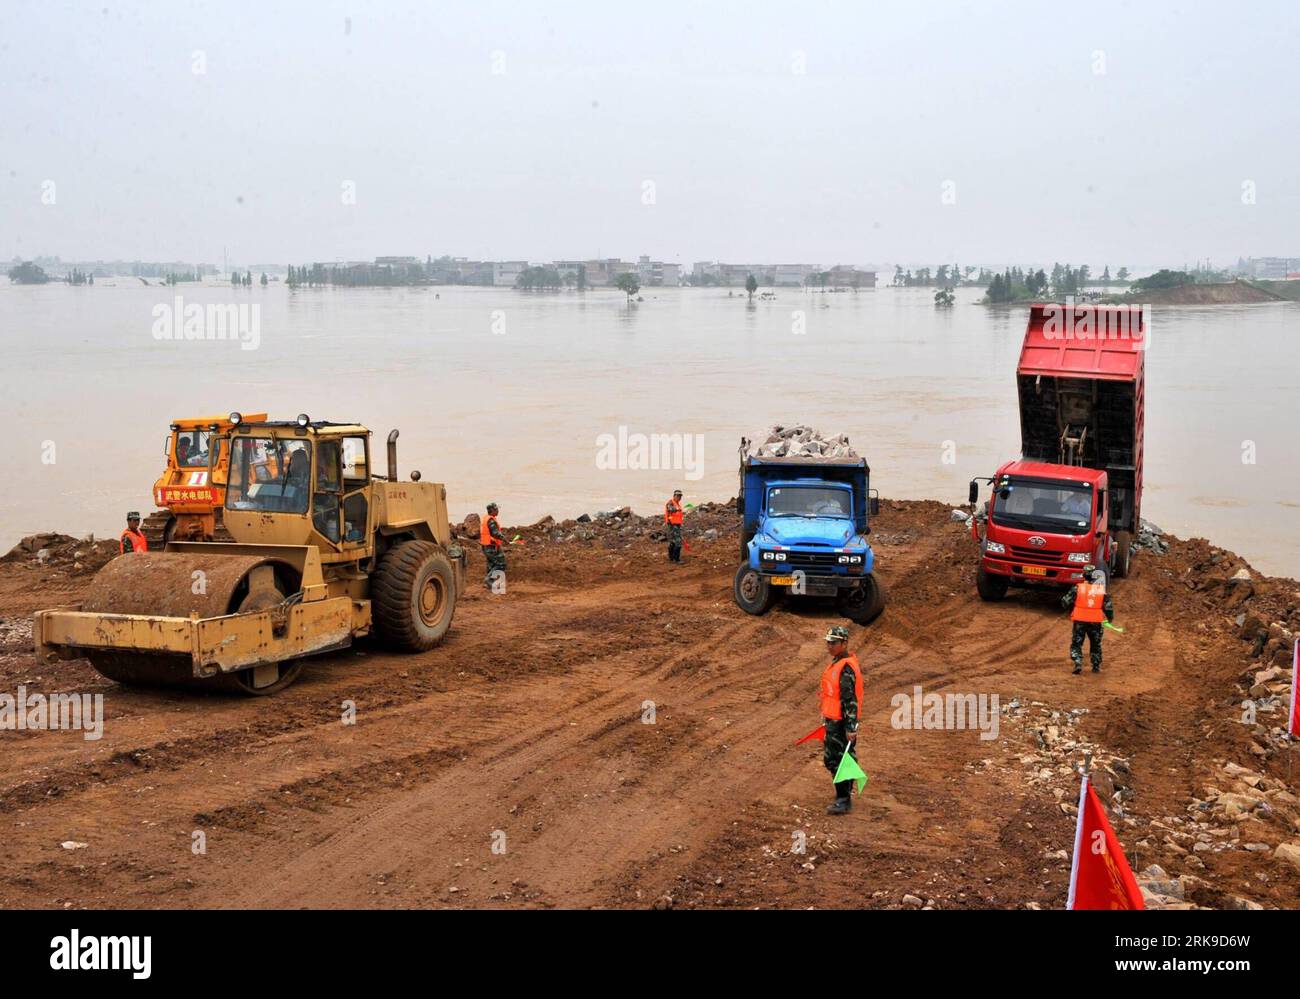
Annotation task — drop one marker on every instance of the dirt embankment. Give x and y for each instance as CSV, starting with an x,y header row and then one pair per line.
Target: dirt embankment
x,y
613,731
1226,293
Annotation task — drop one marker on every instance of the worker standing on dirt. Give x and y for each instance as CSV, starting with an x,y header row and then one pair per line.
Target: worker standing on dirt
x,y
840,700
1089,604
132,539
493,543
673,514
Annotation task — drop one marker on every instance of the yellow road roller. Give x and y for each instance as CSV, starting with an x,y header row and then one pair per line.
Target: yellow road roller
x,y
324,551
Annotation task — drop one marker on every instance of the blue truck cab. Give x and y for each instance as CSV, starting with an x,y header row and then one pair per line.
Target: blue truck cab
x,y
804,527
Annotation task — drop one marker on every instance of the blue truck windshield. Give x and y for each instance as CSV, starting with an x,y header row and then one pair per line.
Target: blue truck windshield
x,y
1059,508
808,501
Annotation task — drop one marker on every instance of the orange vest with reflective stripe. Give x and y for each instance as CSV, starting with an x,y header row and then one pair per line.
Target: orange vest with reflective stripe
x,y
138,542
485,532
829,696
672,512
1088,601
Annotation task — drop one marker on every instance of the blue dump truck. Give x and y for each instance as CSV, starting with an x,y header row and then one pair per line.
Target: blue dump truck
x,y
804,532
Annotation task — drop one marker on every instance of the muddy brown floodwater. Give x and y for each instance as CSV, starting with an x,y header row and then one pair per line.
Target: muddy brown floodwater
x,y
503,395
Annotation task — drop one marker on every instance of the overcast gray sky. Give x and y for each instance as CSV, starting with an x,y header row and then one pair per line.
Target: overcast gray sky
x,y
1117,133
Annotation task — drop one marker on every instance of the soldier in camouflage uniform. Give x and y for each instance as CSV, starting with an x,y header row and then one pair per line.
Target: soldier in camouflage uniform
x,y
1088,603
673,513
840,700
493,542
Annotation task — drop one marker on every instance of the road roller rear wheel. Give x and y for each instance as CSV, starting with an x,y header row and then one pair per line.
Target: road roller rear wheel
x,y
261,681
413,596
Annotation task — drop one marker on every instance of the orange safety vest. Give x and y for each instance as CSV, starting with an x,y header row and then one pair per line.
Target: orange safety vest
x,y
672,512
138,541
485,533
1088,601
829,696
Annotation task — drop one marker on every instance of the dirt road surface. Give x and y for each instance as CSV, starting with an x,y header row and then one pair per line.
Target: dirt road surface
x,y
614,732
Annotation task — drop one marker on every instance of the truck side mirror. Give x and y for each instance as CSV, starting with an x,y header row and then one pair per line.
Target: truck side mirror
x,y
974,492
873,505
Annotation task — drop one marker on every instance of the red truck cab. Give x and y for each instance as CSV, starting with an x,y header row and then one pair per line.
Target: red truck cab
x,y
1074,497
1043,524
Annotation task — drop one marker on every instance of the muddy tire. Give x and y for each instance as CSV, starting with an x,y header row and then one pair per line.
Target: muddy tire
x,y
413,596
864,603
754,594
991,588
1123,554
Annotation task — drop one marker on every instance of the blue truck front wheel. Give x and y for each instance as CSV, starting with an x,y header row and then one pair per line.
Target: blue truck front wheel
x,y
753,593
863,604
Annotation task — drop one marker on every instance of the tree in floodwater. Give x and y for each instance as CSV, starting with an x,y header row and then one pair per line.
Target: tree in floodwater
x,y
944,298
28,273
538,278
751,286
628,284
264,281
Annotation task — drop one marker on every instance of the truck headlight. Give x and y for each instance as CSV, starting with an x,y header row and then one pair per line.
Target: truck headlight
x,y
768,556
1079,557
780,556
995,547
850,560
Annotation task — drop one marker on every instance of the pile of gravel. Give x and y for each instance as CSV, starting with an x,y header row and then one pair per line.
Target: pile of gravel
x,y
799,441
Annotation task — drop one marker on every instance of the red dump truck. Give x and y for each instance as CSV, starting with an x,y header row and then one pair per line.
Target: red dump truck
x,y
1075,495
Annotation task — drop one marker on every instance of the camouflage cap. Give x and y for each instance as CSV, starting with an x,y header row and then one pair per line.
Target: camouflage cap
x,y
133,515
839,633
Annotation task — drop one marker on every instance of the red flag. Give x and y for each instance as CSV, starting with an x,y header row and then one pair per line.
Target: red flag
x,y
818,733
1100,877
1293,723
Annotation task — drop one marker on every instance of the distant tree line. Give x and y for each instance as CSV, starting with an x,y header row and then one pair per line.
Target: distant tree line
x,y
355,276
1015,284
944,276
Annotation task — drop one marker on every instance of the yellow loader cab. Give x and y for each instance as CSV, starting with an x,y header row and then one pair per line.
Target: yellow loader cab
x,y
324,551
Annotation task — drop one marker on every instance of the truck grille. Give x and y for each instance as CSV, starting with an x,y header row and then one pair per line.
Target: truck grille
x,y
1043,556
810,560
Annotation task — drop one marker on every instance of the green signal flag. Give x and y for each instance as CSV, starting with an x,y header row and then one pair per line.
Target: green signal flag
x,y
1107,624
849,770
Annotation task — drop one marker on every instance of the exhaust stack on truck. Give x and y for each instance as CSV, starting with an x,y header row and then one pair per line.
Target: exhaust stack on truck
x,y
804,526
1075,496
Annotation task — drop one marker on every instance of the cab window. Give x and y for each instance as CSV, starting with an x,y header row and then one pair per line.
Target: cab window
x,y
268,475
192,447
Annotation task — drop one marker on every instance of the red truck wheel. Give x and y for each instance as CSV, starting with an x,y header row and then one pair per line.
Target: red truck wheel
x,y
990,587
1123,554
